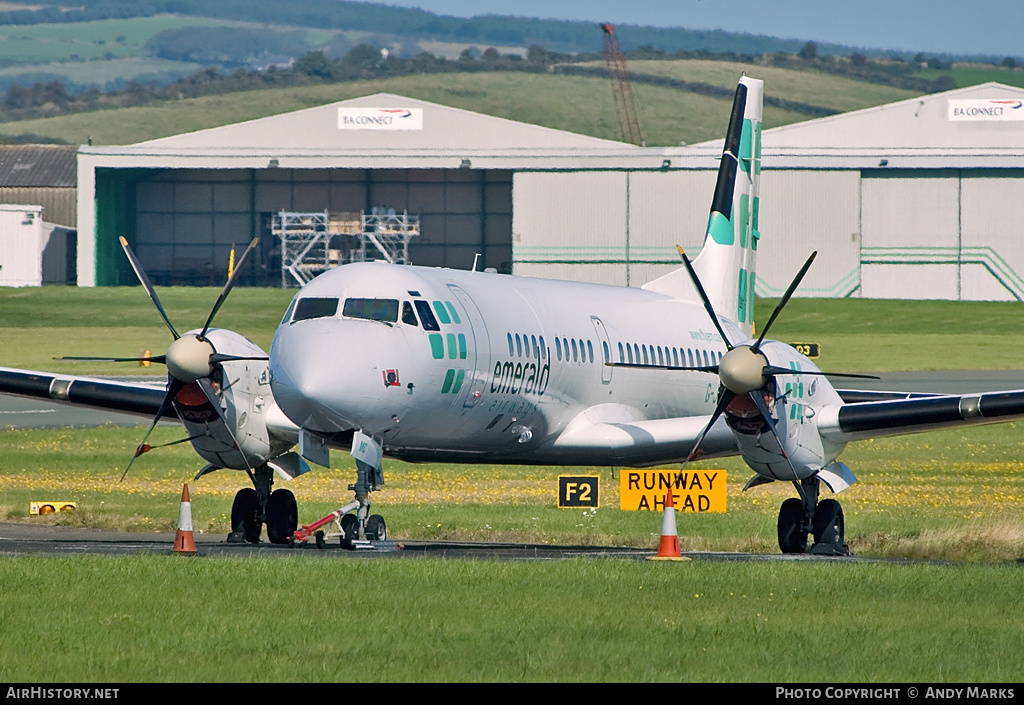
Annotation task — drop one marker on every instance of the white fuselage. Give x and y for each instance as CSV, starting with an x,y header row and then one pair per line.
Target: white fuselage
x,y
503,376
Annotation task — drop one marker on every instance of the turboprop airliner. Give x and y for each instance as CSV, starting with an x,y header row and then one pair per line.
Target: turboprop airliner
x,y
424,364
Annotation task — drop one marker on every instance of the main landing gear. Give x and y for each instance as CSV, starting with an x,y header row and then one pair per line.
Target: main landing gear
x,y
257,506
801,516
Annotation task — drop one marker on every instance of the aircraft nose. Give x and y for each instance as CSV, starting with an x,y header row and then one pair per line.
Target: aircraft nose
x,y
308,378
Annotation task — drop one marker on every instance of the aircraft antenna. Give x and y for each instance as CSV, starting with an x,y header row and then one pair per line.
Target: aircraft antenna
x,y
622,88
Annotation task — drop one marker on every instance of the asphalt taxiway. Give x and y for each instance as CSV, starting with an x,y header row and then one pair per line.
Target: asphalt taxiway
x,y
26,538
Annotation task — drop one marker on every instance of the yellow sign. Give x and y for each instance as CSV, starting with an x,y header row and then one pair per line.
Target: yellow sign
x,y
35,508
692,490
579,491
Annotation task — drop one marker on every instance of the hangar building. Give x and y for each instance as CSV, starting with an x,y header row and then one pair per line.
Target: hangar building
x,y
916,199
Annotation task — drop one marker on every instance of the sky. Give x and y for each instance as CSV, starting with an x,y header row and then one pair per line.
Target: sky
x,y
990,27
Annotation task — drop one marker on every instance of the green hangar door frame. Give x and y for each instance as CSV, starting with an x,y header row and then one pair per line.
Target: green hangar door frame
x,y
182,222
115,218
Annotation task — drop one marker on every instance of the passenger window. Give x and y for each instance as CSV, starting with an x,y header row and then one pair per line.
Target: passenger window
x,y
519,346
590,350
661,358
533,342
558,348
607,352
689,354
543,349
675,357
511,350
426,315
630,351
574,356
408,316
646,361
318,308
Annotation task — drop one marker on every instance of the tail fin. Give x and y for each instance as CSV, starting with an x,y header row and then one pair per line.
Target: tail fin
x,y
726,264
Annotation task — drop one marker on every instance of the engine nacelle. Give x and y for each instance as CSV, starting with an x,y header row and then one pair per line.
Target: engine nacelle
x,y
793,401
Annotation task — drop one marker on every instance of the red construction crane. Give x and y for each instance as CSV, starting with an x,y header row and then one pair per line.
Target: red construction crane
x,y
622,89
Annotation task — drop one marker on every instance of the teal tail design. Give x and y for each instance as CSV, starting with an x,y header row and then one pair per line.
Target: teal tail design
x,y
727,263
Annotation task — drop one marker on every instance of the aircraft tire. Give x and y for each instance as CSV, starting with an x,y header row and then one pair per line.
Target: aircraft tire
x,y
828,523
244,524
792,535
282,516
349,530
376,529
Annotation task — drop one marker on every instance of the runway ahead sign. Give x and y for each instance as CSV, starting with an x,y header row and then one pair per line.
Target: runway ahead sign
x,y
692,490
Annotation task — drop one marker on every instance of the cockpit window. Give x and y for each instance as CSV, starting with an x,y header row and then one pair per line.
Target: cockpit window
x,y
408,317
313,307
288,313
426,315
372,309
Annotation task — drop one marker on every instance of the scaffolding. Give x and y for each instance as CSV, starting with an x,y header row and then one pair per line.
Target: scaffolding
x,y
313,242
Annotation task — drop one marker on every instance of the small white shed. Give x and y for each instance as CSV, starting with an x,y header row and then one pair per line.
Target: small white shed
x,y
33,252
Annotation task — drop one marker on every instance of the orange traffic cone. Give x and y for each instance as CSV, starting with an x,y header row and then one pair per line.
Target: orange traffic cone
x,y
183,541
668,548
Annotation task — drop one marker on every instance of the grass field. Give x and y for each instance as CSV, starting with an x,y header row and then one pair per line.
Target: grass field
x,y
953,495
301,619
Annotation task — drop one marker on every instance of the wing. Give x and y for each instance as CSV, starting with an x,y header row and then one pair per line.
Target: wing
x,y
851,422
138,399
612,433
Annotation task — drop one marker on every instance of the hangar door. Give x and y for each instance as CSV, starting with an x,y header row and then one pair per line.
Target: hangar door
x,y
185,221
942,234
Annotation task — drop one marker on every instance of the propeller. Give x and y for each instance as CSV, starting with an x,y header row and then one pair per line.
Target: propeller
x,y
744,369
190,358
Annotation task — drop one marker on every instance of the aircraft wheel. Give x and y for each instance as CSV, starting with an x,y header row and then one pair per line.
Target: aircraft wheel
x,y
282,516
376,530
319,536
349,530
828,523
792,534
244,525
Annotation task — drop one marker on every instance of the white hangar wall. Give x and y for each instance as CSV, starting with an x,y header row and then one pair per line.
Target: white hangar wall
x,y
900,201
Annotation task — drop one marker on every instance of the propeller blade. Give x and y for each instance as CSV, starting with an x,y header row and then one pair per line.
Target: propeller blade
x,y
155,358
144,280
785,299
727,397
762,408
773,370
222,357
211,394
229,285
642,366
173,387
703,297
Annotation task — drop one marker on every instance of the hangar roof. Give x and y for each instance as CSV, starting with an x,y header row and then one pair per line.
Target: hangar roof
x,y
381,131
38,166
927,122
383,121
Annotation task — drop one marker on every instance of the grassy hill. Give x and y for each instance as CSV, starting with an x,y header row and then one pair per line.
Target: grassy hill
x,y
580,104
